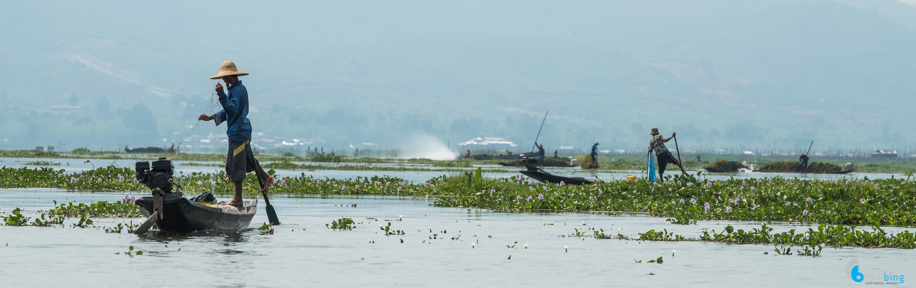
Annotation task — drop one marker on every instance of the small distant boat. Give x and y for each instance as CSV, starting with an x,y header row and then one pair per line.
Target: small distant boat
x,y
537,174
550,178
181,214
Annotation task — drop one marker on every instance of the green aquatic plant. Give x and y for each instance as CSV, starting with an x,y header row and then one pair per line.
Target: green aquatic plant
x,y
50,220
101,209
389,232
130,252
83,222
344,224
664,235
43,163
266,229
16,219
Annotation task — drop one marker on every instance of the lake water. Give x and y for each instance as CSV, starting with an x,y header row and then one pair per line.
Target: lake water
x,y
305,253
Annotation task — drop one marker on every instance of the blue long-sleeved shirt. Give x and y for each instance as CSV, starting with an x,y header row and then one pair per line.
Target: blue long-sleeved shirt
x,y
235,111
595,149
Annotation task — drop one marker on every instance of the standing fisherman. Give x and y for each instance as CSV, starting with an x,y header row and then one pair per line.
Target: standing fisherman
x,y
595,152
540,154
240,159
804,161
662,154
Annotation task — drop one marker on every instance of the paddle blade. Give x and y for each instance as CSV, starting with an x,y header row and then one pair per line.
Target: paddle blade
x,y
271,213
147,224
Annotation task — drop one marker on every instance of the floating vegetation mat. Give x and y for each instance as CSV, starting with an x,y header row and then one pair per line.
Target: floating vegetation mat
x,y
811,240
588,162
724,166
795,166
845,201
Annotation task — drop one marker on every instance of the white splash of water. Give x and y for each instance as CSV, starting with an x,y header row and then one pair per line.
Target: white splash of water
x,y
426,146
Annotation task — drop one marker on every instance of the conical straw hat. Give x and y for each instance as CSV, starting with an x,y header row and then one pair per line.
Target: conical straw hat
x,y
228,69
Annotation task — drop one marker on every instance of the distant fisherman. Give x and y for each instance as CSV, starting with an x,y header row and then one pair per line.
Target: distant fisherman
x,y
662,154
540,154
804,161
595,151
240,159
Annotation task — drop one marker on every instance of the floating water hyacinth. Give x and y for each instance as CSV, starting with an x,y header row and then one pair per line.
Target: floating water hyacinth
x,y
120,178
200,182
530,197
708,184
562,183
518,197
693,201
809,200
540,196
752,187
100,180
682,201
805,212
130,198
72,180
706,207
728,209
283,183
492,191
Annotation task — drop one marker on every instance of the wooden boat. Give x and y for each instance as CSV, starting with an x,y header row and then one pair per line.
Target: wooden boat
x,y
550,178
183,215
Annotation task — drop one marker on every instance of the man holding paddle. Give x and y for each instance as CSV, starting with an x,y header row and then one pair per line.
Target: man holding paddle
x,y
240,159
662,154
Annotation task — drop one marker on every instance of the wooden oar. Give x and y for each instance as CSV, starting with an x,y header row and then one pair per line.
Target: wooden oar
x,y
271,213
147,224
679,156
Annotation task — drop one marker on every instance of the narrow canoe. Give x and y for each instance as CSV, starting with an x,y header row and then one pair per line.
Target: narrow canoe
x,y
550,178
183,215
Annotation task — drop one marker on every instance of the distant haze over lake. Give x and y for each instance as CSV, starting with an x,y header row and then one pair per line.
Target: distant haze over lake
x,y
721,73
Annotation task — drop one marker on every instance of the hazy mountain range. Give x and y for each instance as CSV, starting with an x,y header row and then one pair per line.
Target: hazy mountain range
x,y
773,73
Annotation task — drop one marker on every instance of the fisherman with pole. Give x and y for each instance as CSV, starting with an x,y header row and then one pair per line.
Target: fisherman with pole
x,y
803,158
540,147
662,154
240,159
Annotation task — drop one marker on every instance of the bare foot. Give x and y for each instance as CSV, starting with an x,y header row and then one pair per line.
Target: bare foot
x,y
233,202
267,182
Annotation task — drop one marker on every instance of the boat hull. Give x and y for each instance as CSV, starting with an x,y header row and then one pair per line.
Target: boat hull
x,y
183,215
550,178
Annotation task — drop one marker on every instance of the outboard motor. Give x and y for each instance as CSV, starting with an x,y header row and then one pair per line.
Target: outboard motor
x,y
159,179
158,176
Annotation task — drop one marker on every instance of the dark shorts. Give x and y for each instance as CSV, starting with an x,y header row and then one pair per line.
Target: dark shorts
x,y
663,160
240,160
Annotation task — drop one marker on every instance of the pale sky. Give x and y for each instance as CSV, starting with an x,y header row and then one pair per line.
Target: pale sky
x,y
911,2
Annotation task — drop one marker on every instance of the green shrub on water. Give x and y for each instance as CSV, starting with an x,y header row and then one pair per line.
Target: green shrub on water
x,y
795,166
344,224
81,150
